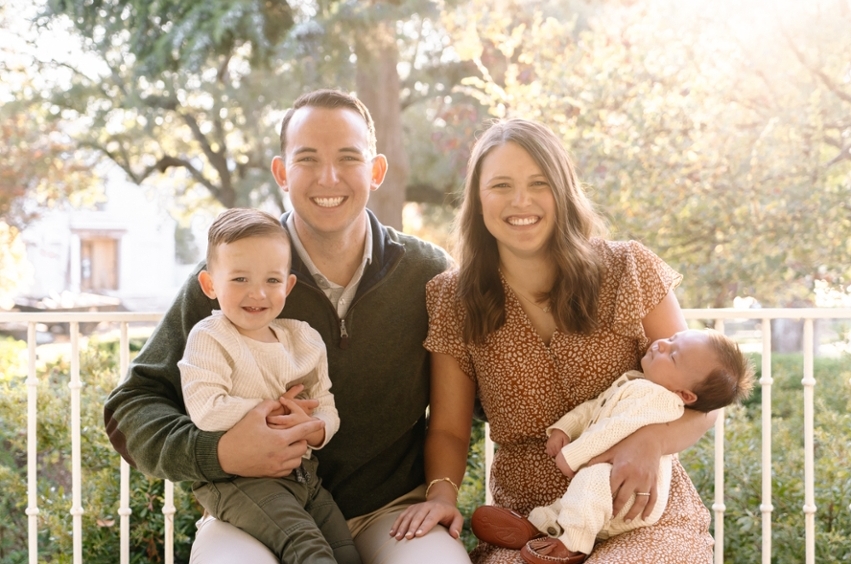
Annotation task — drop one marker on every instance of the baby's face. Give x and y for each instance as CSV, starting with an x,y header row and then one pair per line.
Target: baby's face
x,y
679,362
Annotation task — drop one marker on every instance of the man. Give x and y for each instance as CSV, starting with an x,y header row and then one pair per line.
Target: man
x,y
362,286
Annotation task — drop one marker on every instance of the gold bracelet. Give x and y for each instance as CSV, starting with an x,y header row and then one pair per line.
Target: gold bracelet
x,y
436,480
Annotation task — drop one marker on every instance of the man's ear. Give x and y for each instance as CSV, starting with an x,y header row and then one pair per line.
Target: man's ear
x,y
687,396
379,171
279,171
206,282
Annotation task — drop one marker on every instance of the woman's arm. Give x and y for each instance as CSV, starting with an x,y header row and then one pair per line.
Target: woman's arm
x,y
635,460
448,440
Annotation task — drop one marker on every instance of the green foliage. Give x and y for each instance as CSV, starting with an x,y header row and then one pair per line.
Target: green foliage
x,y
199,88
472,493
101,481
100,476
40,169
743,466
716,148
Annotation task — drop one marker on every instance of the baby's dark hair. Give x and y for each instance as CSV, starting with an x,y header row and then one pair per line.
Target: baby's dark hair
x,y
730,381
240,223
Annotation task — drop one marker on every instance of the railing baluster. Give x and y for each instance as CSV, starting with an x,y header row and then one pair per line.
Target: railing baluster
x,y
124,510
168,518
489,448
32,446
719,507
76,469
809,383
766,508
169,510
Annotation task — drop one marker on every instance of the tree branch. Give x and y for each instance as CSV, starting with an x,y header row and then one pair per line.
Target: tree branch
x,y
820,74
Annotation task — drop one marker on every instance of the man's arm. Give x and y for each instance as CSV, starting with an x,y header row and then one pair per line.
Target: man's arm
x,y
145,416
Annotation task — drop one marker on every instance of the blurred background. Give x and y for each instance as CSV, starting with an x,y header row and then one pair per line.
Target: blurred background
x,y
717,133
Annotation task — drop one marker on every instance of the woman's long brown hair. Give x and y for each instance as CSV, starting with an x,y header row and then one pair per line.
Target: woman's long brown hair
x,y
576,289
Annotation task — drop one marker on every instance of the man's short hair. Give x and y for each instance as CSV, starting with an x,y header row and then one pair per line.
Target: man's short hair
x,y
332,100
240,223
730,381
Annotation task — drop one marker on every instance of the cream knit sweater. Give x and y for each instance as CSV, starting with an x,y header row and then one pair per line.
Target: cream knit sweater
x,y
224,374
631,402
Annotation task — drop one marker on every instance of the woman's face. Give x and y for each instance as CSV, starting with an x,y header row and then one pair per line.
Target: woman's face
x,y
518,206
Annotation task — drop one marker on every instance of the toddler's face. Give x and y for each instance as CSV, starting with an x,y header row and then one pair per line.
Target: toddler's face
x,y
679,362
251,280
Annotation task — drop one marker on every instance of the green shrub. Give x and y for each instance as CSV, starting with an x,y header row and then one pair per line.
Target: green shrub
x,y
743,477
472,492
100,469
743,466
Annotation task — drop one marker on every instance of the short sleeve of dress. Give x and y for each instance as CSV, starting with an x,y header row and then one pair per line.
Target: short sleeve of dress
x,y
643,280
446,321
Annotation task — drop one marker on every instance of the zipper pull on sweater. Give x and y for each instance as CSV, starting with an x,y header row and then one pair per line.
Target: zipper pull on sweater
x,y
344,335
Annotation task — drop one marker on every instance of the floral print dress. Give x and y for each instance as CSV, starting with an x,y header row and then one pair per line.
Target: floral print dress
x,y
526,385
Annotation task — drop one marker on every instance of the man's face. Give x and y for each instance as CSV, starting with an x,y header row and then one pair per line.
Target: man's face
x,y
328,171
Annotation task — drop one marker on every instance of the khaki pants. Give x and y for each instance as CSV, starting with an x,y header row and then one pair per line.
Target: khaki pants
x,y
217,542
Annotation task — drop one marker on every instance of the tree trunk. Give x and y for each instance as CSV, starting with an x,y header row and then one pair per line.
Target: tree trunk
x,y
378,86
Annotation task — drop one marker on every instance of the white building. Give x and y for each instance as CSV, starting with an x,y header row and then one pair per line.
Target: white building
x,y
124,250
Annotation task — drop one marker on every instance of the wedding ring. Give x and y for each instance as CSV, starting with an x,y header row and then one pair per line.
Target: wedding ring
x,y
642,493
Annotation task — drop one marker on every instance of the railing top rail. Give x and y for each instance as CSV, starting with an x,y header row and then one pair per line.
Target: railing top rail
x,y
68,316
770,313
708,313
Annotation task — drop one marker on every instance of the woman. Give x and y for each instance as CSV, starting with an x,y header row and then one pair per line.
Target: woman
x,y
541,316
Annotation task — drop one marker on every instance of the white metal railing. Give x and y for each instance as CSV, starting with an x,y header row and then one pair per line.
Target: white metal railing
x,y
718,316
73,319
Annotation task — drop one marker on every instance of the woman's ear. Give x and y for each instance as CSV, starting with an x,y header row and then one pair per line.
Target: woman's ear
x,y
206,282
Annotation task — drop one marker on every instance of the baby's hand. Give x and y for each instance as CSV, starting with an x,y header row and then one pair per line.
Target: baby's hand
x,y
562,465
557,441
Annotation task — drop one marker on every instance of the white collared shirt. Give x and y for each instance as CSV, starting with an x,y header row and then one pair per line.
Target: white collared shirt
x,y
341,297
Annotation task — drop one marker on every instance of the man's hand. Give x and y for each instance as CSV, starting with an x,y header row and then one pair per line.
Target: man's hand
x,y
558,440
253,449
635,465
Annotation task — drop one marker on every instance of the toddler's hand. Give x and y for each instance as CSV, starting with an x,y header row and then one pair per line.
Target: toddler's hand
x,y
306,405
557,441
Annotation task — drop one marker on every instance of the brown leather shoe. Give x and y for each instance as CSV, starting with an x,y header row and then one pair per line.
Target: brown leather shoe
x,y
548,550
502,527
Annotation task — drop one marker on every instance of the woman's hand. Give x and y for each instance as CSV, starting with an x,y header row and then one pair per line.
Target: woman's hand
x,y
635,465
419,519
